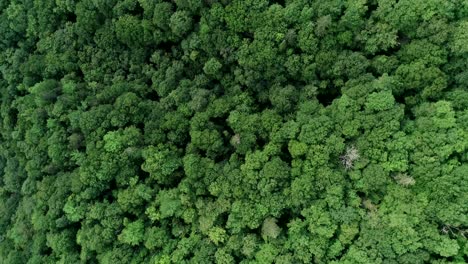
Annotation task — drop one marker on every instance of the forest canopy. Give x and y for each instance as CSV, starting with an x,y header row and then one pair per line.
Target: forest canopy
x,y
233,131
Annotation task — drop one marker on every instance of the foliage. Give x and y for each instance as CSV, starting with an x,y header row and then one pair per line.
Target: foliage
x,y
241,131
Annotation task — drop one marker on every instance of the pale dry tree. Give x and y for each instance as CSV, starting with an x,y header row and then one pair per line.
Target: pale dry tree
x,y
349,157
236,140
404,180
270,228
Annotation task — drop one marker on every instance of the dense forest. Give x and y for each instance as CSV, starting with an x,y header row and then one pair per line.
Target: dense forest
x,y
233,131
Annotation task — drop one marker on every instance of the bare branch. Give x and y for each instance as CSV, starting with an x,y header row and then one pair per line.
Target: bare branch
x,y
350,156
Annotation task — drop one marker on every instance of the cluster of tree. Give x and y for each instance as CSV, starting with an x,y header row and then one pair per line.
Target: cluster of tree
x,y
233,131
